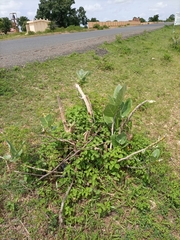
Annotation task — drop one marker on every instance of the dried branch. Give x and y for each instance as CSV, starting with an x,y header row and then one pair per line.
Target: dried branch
x,y
27,232
32,174
85,99
69,157
141,150
60,139
66,128
39,169
65,160
62,205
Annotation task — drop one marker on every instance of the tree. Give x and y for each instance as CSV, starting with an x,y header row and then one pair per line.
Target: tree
x,y
81,14
5,25
171,18
155,18
142,20
93,20
60,12
22,22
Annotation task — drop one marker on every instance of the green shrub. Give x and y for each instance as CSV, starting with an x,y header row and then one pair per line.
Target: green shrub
x,y
105,27
74,28
97,26
31,33
52,25
48,30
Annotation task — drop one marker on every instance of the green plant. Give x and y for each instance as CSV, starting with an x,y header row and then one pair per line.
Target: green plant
x,y
13,154
130,187
5,25
105,65
118,117
167,57
105,27
119,38
31,33
80,156
82,75
97,26
52,25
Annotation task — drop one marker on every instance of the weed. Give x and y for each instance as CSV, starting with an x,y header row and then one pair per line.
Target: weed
x,y
167,57
31,33
134,199
105,65
119,39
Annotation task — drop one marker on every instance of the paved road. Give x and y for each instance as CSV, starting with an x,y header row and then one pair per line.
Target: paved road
x,y
21,51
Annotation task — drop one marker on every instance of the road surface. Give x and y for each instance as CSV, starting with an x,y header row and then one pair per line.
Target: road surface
x,y
20,51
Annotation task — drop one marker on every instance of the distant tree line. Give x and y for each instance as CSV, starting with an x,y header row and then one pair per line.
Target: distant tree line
x,y
61,14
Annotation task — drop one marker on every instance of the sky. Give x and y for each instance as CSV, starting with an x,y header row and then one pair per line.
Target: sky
x,y
103,10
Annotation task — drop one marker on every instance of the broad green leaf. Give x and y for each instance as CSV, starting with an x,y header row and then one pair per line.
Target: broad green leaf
x,y
112,100
108,120
114,142
116,91
14,154
20,153
156,153
117,166
7,157
126,108
121,138
110,110
119,94
46,121
12,149
82,74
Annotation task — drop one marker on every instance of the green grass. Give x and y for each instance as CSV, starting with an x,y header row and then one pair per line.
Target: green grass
x,y
128,209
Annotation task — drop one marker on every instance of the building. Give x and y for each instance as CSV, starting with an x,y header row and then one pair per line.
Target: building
x,y
39,25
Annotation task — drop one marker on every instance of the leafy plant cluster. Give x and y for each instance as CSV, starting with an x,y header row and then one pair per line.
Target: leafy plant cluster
x,y
93,148
5,25
98,27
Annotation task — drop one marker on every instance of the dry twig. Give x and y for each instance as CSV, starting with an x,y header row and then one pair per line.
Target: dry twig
x,y
141,150
27,232
62,205
85,99
69,157
66,128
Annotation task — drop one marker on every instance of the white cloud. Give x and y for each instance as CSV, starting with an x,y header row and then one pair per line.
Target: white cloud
x,y
119,1
7,7
158,6
101,9
161,5
92,8
31,14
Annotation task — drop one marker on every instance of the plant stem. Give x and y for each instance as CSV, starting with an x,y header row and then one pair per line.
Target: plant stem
x,y
85,99
62,205
141,150
131,114
66,128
